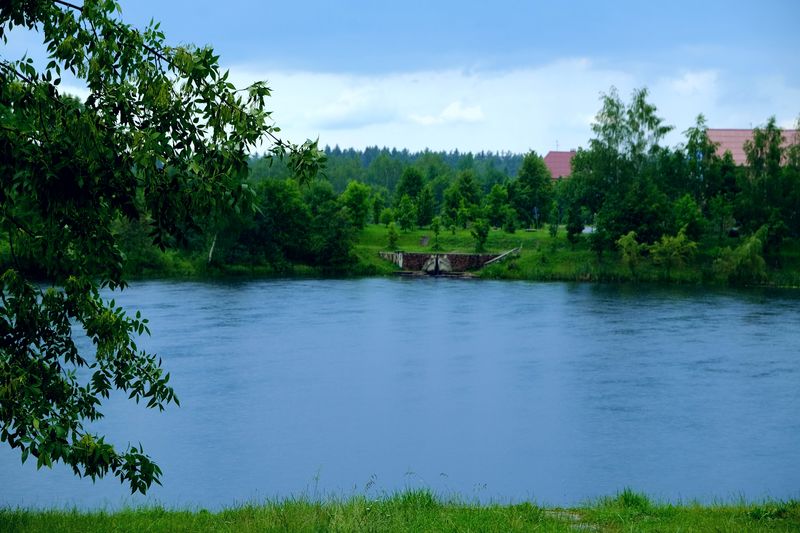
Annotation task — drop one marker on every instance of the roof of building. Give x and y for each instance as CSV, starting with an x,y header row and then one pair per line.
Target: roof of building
x,y
733,140
559,163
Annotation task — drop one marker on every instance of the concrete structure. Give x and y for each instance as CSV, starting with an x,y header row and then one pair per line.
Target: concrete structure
x,y
732,140
559,163
440,263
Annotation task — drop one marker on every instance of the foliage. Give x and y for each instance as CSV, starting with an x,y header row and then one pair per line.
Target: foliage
x,y
331,234
356,198
618,177
496,204
425,206
436,227
468,189
688,215
411,183
553,220
745,263
673,251
531,192
509,219
721,215
391,236
280,230
480,232
574,223
387,216
631,250
406,213
377,203
162,139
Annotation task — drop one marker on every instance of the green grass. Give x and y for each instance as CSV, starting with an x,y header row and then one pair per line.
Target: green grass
x,y
420,511
544,258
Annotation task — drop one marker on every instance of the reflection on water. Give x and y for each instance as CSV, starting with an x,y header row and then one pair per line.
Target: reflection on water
x,y
491,390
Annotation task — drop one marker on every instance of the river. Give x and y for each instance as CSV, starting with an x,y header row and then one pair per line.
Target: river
x,y
489,391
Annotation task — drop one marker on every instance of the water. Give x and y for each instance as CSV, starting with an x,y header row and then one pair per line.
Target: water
x,y
492,391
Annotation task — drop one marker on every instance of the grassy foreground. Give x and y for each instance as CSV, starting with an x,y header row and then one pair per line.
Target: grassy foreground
x,y
421,511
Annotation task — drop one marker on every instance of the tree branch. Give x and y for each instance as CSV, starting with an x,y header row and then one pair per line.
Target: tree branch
x,y
161,56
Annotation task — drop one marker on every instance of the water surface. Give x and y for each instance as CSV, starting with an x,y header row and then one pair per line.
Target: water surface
x,y
492,391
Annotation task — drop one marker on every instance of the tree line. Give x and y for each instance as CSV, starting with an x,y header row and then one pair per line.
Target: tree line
x,y
626,184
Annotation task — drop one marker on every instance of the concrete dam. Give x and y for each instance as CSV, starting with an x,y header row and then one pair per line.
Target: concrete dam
x,y
443,263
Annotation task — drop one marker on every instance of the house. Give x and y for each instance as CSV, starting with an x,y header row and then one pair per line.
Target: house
x,y
559,163
732,140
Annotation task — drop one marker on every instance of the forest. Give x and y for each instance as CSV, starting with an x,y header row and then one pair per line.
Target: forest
x,y
631,200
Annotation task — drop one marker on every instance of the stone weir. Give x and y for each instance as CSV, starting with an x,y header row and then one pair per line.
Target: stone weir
x,y
443,263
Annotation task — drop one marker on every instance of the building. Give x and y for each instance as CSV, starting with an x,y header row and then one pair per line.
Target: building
x,y
732,140
559,163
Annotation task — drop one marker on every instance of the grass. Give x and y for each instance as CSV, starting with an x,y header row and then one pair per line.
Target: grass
x,y
420,511
544,258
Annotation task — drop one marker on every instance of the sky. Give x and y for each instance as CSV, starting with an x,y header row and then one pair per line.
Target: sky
x,y
509,75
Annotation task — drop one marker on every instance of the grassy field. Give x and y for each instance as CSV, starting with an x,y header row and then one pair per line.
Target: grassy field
x,y
546,258
420,511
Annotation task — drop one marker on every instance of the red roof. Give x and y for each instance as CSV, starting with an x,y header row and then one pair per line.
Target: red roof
x,y
733,140
559,163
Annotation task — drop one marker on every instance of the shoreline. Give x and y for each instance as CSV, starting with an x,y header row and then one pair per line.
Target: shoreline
x,y
422,510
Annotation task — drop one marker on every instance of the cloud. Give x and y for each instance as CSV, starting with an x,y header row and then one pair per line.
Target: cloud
x,y
454,113
541,108
514,110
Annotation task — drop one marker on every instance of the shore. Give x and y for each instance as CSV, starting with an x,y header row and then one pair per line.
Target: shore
x,y
542,258
416,511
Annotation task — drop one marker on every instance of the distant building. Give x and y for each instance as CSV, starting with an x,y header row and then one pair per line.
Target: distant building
x,y
732,140
559,163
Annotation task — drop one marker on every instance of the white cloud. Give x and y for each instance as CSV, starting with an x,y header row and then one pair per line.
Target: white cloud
x,y
514,110
521,109
528,108
454,113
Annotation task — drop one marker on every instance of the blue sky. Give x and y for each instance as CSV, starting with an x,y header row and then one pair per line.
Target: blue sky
x,y
505,75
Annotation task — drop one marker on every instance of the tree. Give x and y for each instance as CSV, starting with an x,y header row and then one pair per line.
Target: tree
x,y
410,185
688,215
480,232
554,220
531,192
387,216
631,250
377,202
745,263
163,138
425,206
356,198
673,251
721,212
509,219
496,202
280,226
701,156
331,233
619,177
574,223
436,227
468,188
406,214
391,236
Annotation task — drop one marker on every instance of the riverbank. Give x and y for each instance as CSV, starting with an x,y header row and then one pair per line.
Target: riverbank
x,y
553,258
422,511
542,258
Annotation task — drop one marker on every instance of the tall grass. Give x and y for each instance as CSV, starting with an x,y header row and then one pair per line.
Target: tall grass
x,y
419,511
